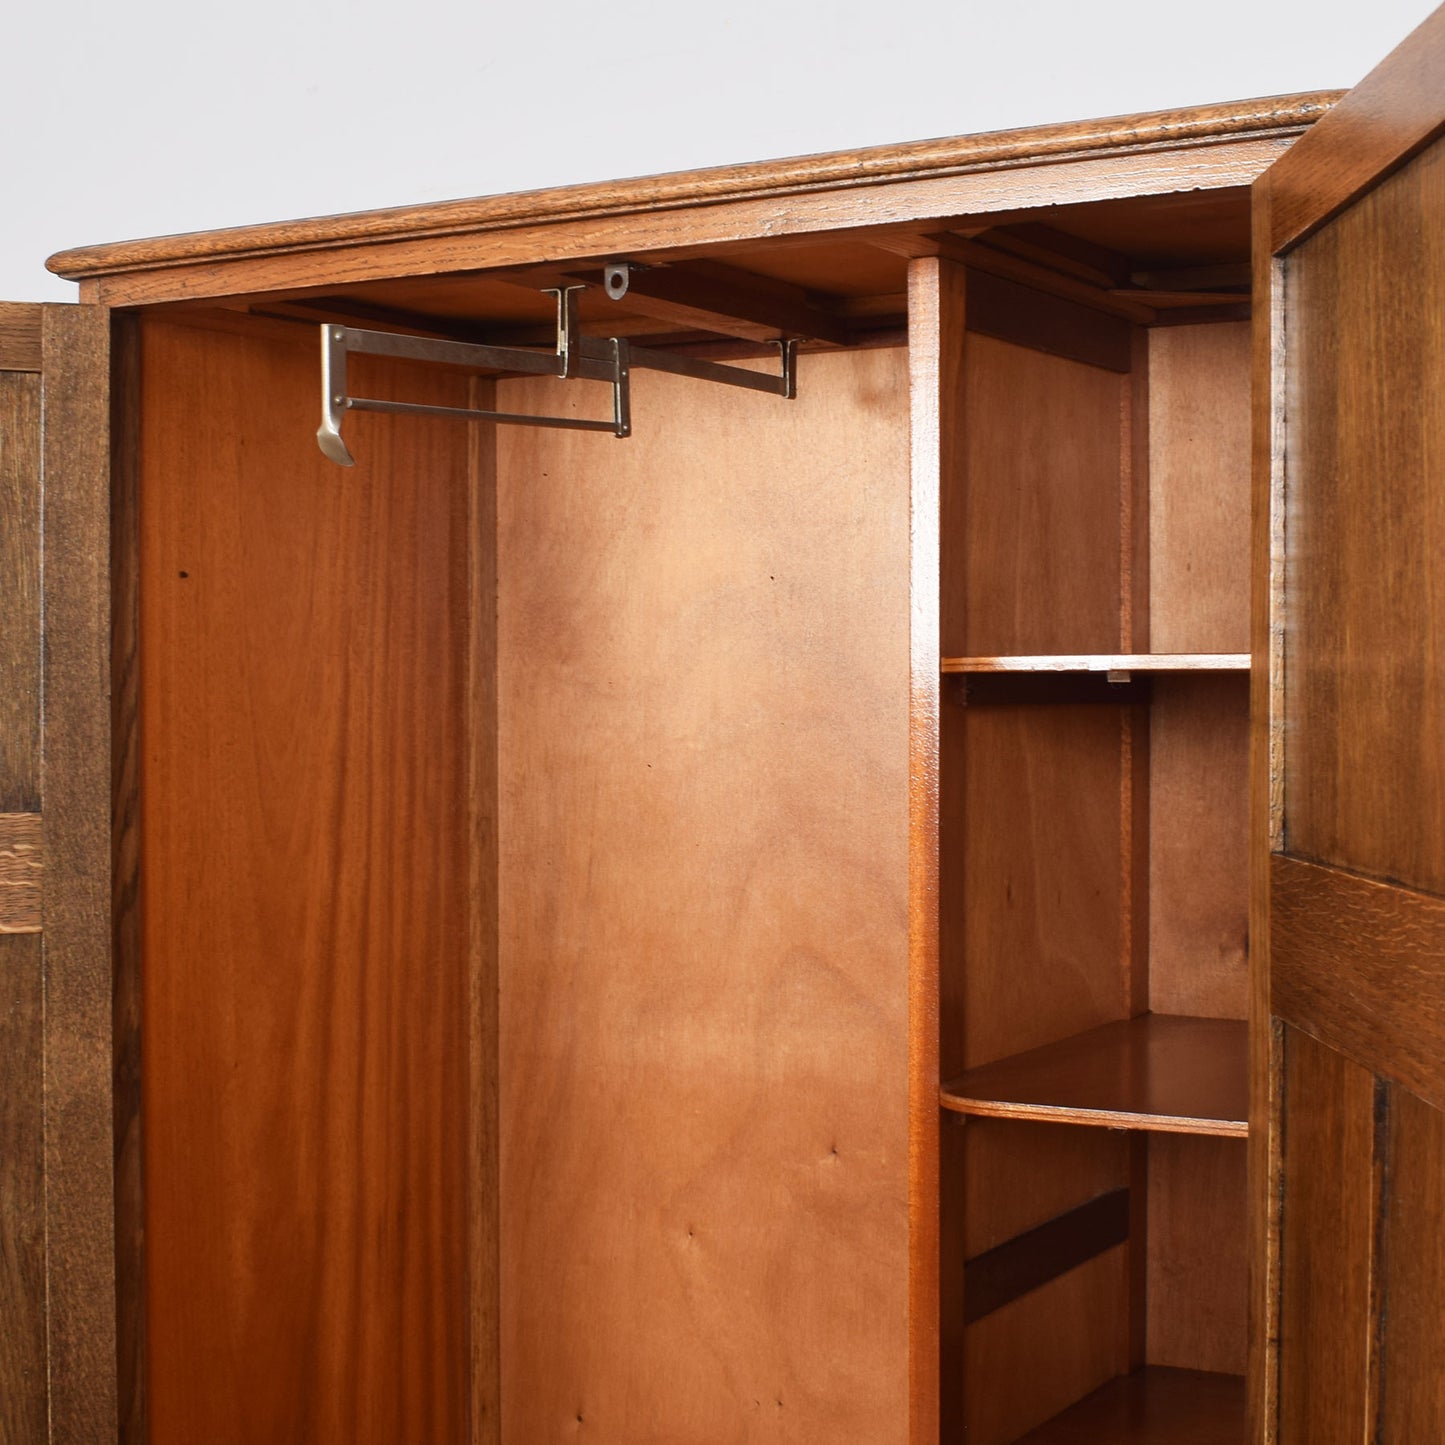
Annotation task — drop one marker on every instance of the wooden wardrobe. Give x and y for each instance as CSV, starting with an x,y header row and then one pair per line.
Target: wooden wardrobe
x,y
909,914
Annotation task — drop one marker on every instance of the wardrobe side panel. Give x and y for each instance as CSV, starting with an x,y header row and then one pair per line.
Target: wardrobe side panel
x,y
703,741
304,898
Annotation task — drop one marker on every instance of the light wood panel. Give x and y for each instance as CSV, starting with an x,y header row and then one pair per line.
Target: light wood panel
x,y
304,846
1153,1407
1199,847
21,871
20,500
1365,685
20,342
1199,438
1041,923
1197,1253
1177,1075
937,303
704,883
1035,545
1104,662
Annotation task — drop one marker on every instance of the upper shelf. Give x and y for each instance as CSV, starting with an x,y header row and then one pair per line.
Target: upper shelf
x,y
1160,1072
1104,662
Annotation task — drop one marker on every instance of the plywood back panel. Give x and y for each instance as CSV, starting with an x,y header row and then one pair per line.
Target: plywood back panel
x,y
704,741
1033,551
304,874
1199,439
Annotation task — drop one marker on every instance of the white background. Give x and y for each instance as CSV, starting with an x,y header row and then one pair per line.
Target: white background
x,y
157,116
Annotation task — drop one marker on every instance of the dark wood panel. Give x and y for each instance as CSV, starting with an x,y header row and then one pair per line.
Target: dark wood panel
x,y
1178,1075
1391,113
1365,684
1157,1406
1331,1199
20,494
21,872
937,305
1020,1265
1361,965
1411,1402
305,839
23,1404
76,791
705,875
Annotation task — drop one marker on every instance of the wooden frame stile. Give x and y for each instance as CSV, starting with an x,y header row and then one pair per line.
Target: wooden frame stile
x,y
936,308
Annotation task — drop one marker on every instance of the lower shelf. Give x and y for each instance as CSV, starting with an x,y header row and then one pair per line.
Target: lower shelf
x,y
1154,1406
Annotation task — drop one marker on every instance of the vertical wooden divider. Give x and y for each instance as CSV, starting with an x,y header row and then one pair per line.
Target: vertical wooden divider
x,y
1134,810
936,289
76,788
484,1302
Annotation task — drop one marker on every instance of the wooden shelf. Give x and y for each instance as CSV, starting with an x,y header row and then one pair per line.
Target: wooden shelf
x,y
1153,1406
1158,1071
1104,662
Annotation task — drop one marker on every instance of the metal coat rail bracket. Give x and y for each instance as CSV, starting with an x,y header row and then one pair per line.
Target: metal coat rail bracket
x,y
588,358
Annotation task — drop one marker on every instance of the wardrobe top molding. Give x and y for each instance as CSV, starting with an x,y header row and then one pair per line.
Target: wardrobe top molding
x,y
883,189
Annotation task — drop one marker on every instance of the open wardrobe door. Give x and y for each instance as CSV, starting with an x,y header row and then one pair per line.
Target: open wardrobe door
x,y
1349,1076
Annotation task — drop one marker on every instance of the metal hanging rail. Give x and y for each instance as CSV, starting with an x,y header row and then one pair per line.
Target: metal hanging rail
x,y
583,357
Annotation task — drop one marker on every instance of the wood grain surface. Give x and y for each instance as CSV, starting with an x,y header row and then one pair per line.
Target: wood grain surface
x,y
1198,846
1197,1248
1361,966
1201,125
23,1338
76,905
22,857
1389,115
1156,1406
704,925
1199,498
1365,684
1104,662
937,314
304,847
1178,1075
1331,1189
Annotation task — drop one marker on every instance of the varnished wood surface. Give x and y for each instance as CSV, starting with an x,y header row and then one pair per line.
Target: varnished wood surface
x,y
685,232
1035,1357
1365,684
1179,1075
76,904
1361,965
1331,1195
1105,662
1036,540
306,927
20,574
1201,125
20,344
1388,116
937,306
704,931
23,1334
1198,846
1411,1404
1197,1253
1198,522
1157,1406
21,872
